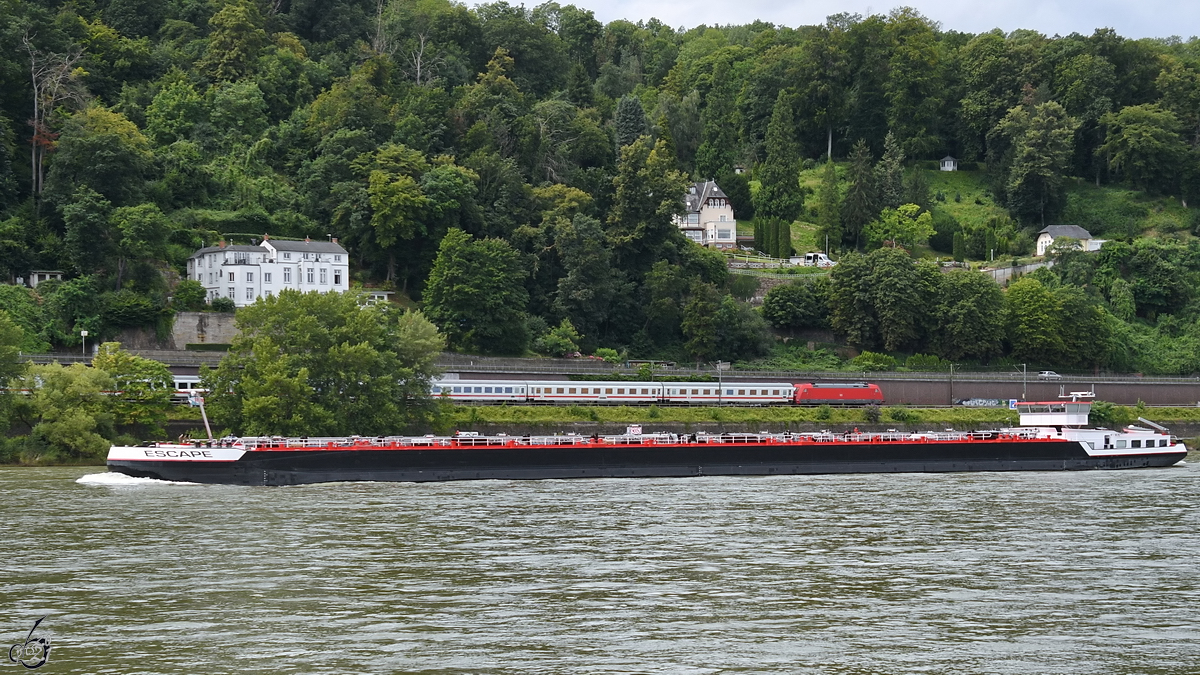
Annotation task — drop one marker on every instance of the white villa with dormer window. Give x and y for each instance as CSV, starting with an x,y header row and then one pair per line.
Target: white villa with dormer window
x,y
708,216
246,273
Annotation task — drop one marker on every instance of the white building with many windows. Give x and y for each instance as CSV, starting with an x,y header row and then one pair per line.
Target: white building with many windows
x,y
708,216
246,273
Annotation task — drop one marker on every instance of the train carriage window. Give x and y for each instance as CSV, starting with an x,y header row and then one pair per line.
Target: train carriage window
x,y
706,392
487,390
560,390
695,392
520,390
620,391
608,390
537,390
571,390
508,390
478,390
646,392
774,392
458,390
741,392
729,392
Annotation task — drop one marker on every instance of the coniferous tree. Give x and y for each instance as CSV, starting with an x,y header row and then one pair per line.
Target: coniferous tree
x,y
779,195
579,86
630,120
861,205
889,174
829,206
719,144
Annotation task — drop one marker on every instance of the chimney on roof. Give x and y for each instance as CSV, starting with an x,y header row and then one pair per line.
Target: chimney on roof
x,y
221,243
266,236
306,240
333,239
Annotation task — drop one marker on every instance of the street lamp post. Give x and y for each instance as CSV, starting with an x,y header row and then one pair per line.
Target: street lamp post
x,y
722,366
83,334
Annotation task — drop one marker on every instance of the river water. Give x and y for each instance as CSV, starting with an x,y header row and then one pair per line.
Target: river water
x,y
1086,573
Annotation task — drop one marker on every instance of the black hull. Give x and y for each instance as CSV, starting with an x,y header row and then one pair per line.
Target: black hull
x,y
523,463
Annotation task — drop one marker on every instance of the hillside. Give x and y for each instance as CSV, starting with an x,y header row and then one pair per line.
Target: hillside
x,y
512,172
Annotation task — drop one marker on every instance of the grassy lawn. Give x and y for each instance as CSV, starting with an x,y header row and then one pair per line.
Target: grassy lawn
x,y
464,415
966,196
960,418
1116,211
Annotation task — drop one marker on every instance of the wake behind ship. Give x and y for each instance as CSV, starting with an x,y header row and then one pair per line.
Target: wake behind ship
x,y
1050,438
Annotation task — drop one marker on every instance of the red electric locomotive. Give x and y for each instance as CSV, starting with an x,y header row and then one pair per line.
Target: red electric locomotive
x,y
855,393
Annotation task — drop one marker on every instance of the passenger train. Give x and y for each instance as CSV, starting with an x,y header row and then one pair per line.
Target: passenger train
x,y
647,393
555,392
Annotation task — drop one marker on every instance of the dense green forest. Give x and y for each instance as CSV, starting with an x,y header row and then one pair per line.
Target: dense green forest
x,y
513,172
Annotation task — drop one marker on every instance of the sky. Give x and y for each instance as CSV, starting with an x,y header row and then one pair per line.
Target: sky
x,y
1129,18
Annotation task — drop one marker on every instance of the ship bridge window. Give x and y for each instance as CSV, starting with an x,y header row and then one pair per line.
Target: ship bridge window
x,y
1135,444
1162,443
1120,444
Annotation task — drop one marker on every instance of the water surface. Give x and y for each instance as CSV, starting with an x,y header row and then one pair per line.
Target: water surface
x,y
1072,573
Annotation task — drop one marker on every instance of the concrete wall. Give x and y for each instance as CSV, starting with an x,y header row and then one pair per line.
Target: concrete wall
x,y
943,391
203,327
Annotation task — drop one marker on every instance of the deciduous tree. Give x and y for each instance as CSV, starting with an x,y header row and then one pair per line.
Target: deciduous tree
x,y
476,294
324,364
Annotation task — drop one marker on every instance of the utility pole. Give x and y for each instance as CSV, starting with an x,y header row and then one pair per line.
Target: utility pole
x,y
951,384
1024,382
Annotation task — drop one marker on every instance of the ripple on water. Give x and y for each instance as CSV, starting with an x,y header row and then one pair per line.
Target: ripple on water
x,y
1075,574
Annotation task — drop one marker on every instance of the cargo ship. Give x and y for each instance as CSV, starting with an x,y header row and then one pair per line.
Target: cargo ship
x,y
1052,436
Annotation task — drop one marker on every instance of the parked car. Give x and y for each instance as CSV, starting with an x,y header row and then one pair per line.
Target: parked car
x,y
1049,375
812,260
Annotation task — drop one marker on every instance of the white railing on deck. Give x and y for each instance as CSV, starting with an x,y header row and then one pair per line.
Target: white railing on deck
x,y
335,443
